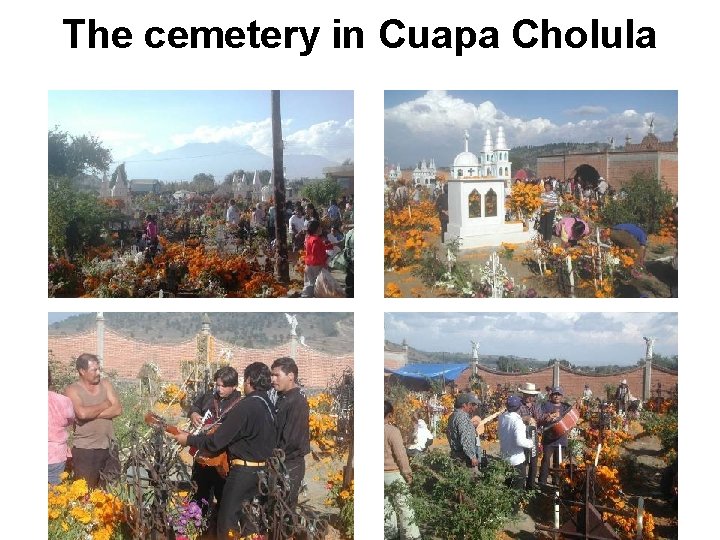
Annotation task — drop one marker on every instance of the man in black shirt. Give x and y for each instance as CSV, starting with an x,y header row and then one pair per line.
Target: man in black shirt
x,y
441,205
206,414
293,422
249,436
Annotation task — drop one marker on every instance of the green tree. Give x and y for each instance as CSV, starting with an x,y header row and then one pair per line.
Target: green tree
x,y
669,362
322,192
69,155
644,202
203,182
75,218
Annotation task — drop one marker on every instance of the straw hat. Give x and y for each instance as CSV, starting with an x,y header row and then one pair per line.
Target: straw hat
x,y
529,388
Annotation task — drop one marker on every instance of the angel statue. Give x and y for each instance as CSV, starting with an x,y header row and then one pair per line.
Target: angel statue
x,y
649,347
476,348
292,321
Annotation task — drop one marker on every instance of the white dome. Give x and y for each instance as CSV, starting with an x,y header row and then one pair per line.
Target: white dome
x,y
466,159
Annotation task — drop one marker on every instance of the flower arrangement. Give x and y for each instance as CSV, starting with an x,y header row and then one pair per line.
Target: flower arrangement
x,y
188,521
342,497
408,231
74,511
392,291
323,424
172,393
525,199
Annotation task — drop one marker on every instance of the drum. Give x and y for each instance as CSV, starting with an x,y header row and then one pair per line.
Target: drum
x,y
562,425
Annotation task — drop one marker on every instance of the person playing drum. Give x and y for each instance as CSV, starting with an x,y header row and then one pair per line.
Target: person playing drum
x,y
552,411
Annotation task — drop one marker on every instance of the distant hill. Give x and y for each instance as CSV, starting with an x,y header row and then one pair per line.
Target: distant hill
x,y
491,361
218,159
327,332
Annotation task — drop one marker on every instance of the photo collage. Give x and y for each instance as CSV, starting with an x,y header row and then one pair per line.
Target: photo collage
x,y
202,360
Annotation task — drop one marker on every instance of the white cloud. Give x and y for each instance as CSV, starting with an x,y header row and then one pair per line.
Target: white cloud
x,y
255,134
582,338
331,139
432,125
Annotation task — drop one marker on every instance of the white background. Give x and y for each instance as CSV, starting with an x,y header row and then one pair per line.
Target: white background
x,y
36,57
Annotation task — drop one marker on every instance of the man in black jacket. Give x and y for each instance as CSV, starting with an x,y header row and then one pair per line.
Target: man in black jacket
x,y
293,422
206,414
248,434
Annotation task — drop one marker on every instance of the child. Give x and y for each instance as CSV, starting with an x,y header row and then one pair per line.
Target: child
x,y
315,257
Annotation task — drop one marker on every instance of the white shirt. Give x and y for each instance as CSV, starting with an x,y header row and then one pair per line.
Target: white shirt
x,y
296,224
421,436
513,439
233,215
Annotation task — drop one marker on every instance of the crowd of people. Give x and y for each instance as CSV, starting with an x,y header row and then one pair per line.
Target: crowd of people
x,y
323,245
528,425
232,435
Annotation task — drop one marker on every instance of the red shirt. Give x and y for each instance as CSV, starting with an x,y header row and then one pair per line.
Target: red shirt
x,y
315,247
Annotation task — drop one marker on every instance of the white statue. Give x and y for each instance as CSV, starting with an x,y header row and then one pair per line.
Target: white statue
x,y
476,348
649,347
292,321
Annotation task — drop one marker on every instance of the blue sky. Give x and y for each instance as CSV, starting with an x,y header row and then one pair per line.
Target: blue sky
x,y
581,338
430,124
127,122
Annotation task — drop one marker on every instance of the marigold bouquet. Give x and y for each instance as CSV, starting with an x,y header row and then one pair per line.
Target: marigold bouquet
x,y
74,511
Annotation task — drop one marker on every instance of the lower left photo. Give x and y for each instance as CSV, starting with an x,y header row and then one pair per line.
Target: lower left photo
x,y
200,425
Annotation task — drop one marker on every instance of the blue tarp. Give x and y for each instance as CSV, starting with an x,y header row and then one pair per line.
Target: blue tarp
x,y
430,371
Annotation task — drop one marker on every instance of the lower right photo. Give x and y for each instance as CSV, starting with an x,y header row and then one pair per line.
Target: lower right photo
x,y
520,425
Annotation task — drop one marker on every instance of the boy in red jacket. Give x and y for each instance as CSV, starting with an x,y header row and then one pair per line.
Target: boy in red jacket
x,y
315,257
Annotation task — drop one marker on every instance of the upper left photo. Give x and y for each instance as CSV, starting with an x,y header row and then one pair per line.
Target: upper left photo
x,y
200,194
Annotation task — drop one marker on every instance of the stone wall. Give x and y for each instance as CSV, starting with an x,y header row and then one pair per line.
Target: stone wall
x,y
126,356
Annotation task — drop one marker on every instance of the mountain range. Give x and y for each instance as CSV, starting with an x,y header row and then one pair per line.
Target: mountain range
x,y
218,159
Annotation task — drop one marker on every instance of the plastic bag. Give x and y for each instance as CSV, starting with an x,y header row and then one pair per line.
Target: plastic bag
x,y
327,286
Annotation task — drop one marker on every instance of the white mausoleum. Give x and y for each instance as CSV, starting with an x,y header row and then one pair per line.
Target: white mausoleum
x,y
476,196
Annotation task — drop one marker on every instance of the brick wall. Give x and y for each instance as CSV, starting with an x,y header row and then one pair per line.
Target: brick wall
x,y
126,356
616,167
573,383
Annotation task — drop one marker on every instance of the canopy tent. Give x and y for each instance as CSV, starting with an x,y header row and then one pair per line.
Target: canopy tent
x,y
449,372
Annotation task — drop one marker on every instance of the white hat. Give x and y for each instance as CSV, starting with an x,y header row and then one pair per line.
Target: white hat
x,y
624,381
529,388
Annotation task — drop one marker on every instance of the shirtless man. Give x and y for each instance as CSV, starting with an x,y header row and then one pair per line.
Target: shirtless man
x,y
96,404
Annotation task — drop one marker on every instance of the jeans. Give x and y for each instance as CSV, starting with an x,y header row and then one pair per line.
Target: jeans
x,y
54,472
399,515
548,453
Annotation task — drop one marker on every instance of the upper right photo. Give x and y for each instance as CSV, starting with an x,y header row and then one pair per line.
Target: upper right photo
x,y
531,194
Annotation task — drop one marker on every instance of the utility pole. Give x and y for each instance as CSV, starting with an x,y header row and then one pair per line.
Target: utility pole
x,y
282,269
